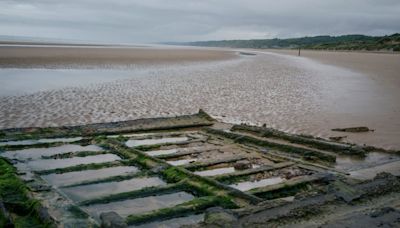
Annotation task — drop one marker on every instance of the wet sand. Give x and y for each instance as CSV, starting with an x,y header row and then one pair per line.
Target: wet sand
x,y
290,93
95,57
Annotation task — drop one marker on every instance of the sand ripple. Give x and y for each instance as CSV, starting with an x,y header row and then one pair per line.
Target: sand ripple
x,y
289,93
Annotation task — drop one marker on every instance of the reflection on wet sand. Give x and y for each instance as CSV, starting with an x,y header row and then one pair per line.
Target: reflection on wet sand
x,y
297,95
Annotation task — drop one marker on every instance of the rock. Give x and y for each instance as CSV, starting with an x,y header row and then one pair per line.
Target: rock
x,y
242,165
37,187
112,220
353,129
345,192
44,215
158,169
219,217
6,216
337,138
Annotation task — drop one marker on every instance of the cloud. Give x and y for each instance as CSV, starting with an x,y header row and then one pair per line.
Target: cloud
x,y
148,21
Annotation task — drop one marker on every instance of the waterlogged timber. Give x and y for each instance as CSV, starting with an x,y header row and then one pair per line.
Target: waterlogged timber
x,y
87,175
140,205
86,192
192,170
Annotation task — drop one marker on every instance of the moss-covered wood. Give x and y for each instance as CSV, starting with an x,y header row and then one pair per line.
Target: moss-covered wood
x,y
300,139
307,154
139,125
229,178
110,179
191,207
204,165
144,192
92,166
75,154
14,194
286,188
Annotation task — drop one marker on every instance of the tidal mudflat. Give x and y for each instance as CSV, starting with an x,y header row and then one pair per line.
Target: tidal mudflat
x,y
290,93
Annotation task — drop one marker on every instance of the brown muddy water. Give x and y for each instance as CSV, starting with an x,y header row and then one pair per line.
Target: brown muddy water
x,y
140,205
290,93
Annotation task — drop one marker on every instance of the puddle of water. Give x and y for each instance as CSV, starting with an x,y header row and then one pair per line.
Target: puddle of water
x,y
161,152
370,173
213,172
248,185
87,175
173,223
44,164
37,153
146,142
25,81
86,192
182,162
140,205
32,142
348,163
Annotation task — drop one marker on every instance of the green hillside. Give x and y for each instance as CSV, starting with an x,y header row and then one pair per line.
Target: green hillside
x,y
346,42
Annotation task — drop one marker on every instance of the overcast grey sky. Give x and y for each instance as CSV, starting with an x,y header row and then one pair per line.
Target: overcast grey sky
x,y
145,21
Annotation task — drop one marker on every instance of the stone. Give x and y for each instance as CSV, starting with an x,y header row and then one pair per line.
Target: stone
x,y
112,220
219,217
345,192
337,138
44,215
242,165
6,215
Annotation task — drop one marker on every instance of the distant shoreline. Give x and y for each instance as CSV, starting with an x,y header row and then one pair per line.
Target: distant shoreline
x,y
390,43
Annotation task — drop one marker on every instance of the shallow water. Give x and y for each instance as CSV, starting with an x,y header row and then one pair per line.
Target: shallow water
x,y
173,223
248,185
32,142
146,142
213,172
87,175
140,205
86,192
348,163
24,81
44,164
370,173
36,153
161,152
182,162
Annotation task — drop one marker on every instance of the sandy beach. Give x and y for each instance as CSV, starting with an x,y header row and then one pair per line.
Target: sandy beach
x,y
310,94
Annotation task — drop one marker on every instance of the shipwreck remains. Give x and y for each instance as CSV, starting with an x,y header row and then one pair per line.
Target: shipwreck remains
x,y
190,171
